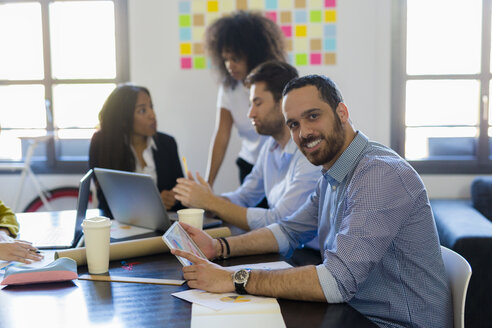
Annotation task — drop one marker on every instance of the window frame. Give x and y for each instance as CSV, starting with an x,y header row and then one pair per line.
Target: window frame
x,y
53,164
482,164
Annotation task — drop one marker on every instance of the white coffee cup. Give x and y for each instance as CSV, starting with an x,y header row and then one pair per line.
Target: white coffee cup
x,y
96,237
192,216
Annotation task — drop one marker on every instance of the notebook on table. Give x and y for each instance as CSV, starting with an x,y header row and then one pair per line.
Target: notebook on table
x,y
133,199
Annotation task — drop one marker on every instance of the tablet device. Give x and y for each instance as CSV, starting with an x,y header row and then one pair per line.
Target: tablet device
x,y
177,238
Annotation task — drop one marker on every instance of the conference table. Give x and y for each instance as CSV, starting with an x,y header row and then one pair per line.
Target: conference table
x,y
83,303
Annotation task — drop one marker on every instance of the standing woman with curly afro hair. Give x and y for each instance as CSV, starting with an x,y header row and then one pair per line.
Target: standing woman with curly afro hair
x,y
237,43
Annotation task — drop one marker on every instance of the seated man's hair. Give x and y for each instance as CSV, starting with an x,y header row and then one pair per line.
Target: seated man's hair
x,y
327,89
275,74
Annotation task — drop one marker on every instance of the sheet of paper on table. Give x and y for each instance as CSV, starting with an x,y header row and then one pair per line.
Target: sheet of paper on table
x,y
246,315
216,301
218,310
122,230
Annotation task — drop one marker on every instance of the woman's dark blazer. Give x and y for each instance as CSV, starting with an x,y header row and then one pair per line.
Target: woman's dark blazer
x,y
167,164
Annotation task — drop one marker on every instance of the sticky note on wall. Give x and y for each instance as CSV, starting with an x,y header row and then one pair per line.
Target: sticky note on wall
x,y
309,28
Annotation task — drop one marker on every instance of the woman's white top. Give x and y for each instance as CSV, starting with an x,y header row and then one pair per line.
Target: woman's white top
x,y
236,101
148,157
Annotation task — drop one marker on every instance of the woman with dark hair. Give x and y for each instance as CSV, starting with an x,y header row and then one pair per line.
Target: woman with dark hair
x,y
237,43
128,140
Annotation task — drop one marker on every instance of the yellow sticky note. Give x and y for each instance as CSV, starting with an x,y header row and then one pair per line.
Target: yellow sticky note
x,y
330,16
198,33
285,4
211,17
212,6
301,30
185,48
198,6
301,45
256,5
227,6
316,30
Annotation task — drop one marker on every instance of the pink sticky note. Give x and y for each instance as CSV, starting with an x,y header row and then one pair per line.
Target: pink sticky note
x,y
186,62
272,15
315,59
287,29
330,3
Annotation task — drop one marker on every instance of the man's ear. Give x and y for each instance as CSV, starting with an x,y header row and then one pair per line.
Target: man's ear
x,y
342,112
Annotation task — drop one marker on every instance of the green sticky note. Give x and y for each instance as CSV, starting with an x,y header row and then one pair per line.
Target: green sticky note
x,y
184,20
301,59
199,62
315,16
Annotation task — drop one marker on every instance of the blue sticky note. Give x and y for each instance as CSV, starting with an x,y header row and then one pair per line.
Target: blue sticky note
x,y
300,16
329,45
184,7
271,4
290,58
185,34
330,31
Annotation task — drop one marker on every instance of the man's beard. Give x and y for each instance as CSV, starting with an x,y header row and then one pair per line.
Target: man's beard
x,y
333,143
270,128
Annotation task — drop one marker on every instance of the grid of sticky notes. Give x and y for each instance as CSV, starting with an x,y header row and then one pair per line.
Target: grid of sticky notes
x,y
309,27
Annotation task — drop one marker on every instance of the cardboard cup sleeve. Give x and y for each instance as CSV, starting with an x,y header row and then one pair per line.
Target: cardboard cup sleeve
x,y
133,248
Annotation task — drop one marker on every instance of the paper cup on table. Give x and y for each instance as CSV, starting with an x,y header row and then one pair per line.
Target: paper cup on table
x,y
96,236
192,216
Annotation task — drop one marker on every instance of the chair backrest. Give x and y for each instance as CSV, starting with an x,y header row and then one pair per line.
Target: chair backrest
x,y
459,272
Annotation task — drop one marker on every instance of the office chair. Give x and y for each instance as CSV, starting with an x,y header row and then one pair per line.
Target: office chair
x,y
459,272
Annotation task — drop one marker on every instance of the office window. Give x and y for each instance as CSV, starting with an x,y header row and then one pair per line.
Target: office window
x,y
59,62
441,74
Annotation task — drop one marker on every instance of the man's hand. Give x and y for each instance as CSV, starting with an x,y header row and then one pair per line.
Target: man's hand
x,y
168,198
194,194
207,244
205,275
19,250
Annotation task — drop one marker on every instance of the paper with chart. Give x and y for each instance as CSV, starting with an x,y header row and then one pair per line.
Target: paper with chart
x,y
230,300
222,301
231,309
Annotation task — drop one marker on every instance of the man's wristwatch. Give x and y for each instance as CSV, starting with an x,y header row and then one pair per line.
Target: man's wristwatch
x,y
240,279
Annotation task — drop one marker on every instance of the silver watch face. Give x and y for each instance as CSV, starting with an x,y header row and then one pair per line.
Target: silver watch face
x,y
241,276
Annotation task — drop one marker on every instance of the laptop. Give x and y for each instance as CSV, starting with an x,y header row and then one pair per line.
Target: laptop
x,y
133,199
60,229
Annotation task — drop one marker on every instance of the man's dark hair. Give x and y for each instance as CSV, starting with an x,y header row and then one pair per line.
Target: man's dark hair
x,y
248,35
327,89
275,74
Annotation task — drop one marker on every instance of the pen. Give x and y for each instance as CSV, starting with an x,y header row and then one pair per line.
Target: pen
x,y
185,167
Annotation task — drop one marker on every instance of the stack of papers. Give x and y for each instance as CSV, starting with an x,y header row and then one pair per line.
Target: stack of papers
x,y
219,310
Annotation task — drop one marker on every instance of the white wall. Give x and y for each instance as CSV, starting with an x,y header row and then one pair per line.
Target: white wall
x,y
185,100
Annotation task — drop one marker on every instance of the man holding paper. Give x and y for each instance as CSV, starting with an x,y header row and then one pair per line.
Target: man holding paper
x,y
370,209
281,172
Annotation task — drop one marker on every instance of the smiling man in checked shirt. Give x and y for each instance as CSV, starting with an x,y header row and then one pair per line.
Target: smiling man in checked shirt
x,y
377,235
